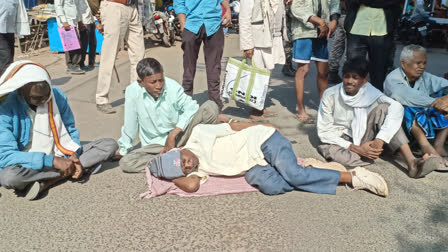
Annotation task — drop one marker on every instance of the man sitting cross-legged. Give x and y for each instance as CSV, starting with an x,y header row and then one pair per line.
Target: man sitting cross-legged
x,y
39,144
158,109
258,152
425,106
355,120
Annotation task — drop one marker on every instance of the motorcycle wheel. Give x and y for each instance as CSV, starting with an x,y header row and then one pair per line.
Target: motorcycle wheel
x,y
172,37
166,40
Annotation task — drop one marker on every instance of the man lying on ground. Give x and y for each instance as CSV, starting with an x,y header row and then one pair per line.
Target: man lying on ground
x,y
355,120
258,152
421,94
39,144
158,109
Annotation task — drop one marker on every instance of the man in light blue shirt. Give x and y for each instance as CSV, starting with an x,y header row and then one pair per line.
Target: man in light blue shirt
x,y
423,98
202,22
157,108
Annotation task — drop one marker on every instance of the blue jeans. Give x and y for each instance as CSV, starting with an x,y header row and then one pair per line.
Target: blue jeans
x,y
283,174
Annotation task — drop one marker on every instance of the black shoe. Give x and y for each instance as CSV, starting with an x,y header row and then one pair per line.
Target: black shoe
x,y
333,78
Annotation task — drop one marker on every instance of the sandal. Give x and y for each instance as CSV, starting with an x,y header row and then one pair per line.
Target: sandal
x,y
430,164
443,168
303,119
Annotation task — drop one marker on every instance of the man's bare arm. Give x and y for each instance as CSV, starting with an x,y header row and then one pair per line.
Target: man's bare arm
x,y
188,184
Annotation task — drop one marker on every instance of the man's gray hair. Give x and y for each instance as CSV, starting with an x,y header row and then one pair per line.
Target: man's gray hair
x,y
408,51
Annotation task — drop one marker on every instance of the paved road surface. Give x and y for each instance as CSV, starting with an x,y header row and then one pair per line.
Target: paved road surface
x,y
105,214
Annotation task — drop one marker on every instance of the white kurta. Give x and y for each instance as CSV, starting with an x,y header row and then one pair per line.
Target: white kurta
x,y
225,152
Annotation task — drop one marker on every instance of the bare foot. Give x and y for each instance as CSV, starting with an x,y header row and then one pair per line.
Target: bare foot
x,y
268,113
256,115
304,118
423,166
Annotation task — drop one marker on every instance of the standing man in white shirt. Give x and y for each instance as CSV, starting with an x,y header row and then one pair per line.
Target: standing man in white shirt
x,y
13,19
68,13
356,120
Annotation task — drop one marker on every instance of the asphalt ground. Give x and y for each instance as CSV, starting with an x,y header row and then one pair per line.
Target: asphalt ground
x,y
104,213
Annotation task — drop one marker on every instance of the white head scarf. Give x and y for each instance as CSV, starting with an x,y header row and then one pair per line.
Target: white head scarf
x,y
49,133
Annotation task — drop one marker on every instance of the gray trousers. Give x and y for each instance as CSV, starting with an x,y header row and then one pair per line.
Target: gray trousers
x,y
338,47
17,177
375,120
136,160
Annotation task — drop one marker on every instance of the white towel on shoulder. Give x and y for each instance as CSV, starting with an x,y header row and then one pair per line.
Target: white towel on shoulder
x,y
49,133
361,102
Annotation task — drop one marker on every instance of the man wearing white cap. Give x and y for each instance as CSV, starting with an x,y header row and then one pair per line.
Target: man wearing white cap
x,y
39,142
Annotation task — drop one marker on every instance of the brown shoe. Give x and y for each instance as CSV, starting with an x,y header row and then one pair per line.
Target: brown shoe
x,y
105,108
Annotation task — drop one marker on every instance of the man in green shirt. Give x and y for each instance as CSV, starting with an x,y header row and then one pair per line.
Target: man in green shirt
x,y
369,25
157,108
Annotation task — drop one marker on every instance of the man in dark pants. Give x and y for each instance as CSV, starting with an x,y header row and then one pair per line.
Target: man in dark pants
x,y
88,36
6,50
202,22
13,19
369,25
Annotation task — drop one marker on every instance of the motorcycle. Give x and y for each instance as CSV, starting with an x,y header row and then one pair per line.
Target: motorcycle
x,y
162,31
173,25
415,26
415,30
235,7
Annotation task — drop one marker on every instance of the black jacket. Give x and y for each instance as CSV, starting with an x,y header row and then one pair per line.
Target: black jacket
x,y
392,10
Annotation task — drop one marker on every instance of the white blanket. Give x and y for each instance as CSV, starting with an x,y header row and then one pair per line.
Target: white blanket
x,y
49,133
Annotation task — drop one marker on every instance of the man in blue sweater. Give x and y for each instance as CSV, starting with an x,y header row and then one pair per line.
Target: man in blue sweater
x,y
39,144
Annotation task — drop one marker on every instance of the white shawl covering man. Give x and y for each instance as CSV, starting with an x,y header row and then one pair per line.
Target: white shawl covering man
x,y
39,143
356,120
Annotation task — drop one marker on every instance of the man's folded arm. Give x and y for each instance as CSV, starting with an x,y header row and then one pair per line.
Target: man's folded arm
x,y
392,122
302,10
403,93
188,184
11,155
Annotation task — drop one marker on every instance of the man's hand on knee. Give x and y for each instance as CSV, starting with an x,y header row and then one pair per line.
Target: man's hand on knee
x,y
377,144
78,167
366,150
441,105
64,165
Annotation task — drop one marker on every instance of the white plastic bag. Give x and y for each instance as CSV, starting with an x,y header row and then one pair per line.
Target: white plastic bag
x,y
244,83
